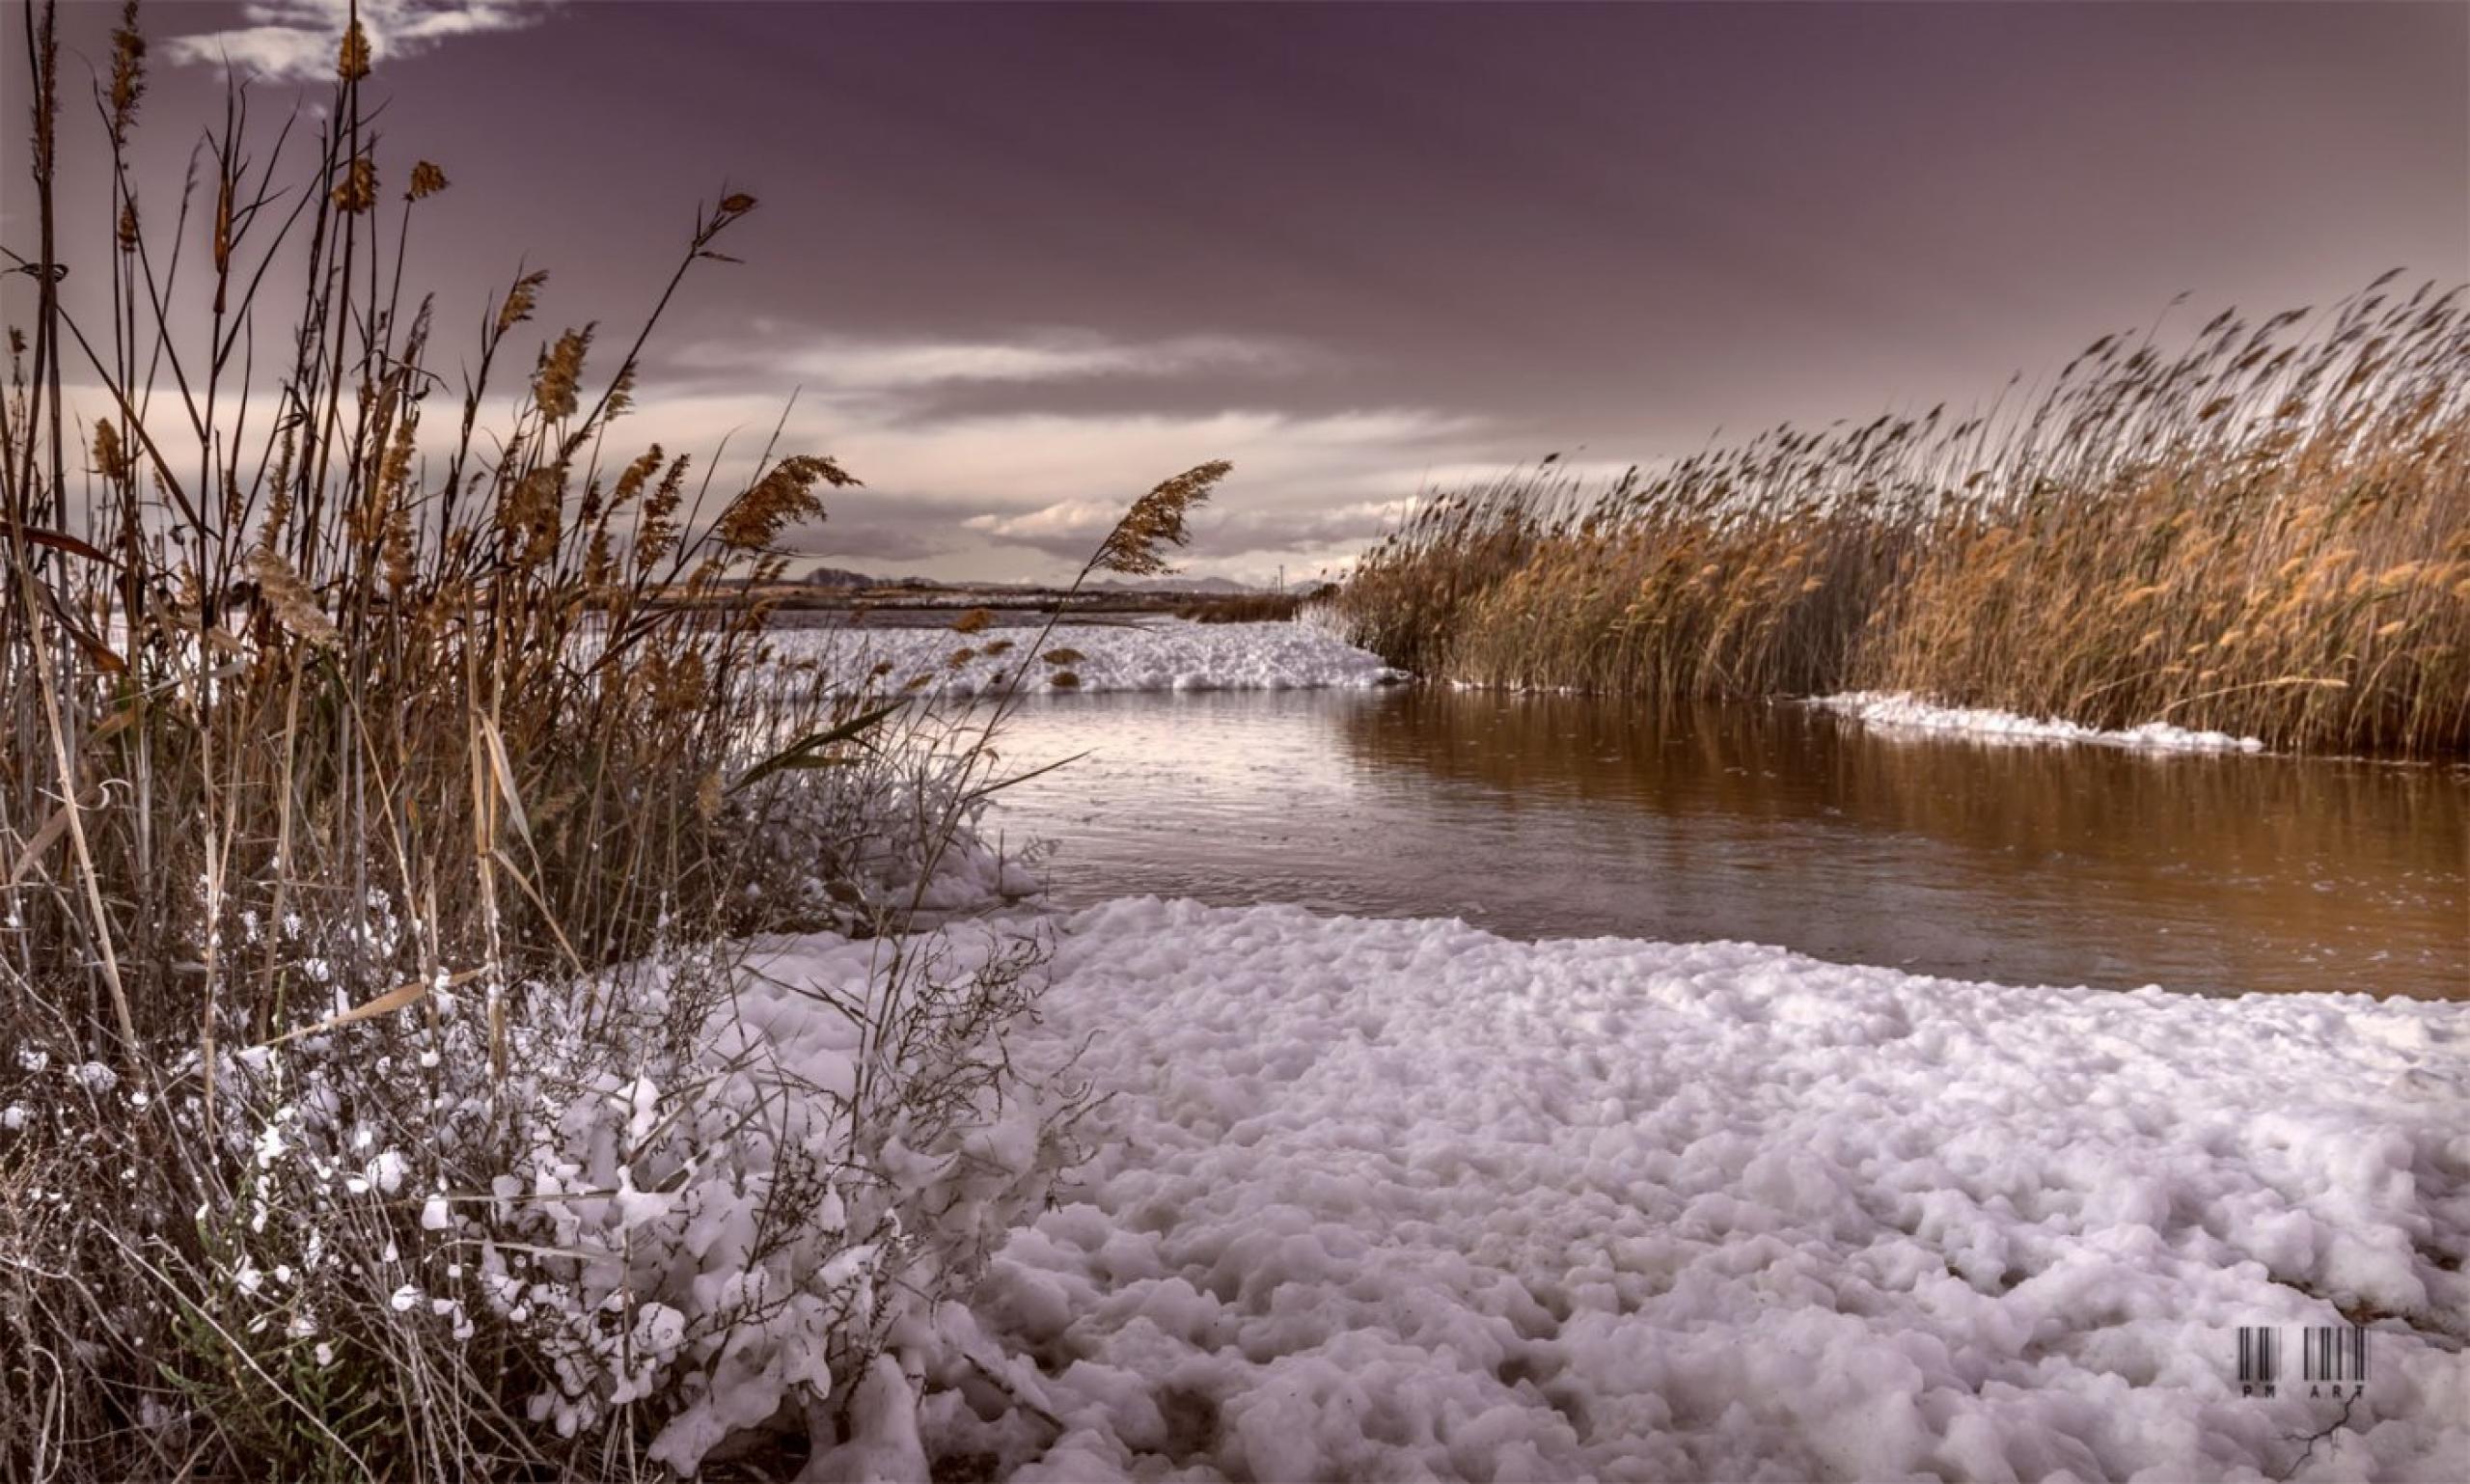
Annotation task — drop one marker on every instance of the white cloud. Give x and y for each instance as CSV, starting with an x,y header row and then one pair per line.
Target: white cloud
x,y
1073,524
295,40
1073,528
863,365
960,488
1029,494
1021,461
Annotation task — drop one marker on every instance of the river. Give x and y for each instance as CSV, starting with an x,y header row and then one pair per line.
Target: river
x,y
1550,817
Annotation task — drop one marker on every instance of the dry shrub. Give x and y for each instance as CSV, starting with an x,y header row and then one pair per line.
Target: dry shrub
x,y
700,1202
2254,533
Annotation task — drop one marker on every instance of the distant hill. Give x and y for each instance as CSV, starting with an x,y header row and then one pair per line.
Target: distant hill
x,y
1212,585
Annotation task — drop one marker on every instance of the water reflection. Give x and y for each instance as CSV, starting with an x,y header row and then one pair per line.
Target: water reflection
x,y
1551,817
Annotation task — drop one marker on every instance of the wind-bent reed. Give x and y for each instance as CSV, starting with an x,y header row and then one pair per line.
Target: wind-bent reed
x,y
2253,533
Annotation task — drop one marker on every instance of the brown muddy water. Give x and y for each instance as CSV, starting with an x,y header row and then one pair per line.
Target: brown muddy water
x,y
1541,816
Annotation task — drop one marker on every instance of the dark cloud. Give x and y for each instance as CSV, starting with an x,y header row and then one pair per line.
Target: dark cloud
x,y
864,526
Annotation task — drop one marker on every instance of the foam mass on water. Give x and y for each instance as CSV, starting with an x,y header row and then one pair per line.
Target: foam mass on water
x,y
1898,711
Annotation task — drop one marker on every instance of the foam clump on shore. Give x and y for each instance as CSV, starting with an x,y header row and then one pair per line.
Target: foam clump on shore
x,y
1169,655
1401,1198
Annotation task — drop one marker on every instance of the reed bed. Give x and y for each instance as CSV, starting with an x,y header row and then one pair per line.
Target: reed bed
x,y
383,792
2264,528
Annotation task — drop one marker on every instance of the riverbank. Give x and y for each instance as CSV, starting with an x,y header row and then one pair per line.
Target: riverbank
x,y
1402,1198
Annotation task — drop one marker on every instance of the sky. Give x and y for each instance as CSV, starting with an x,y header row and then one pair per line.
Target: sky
x,y
1018,262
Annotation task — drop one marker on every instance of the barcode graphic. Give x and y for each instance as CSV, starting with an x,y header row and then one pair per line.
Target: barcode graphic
x,y
2332,1352
2328,1354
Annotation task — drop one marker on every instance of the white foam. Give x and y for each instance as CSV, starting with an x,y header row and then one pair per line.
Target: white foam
x,y
1154,655
1904,712
1389,1200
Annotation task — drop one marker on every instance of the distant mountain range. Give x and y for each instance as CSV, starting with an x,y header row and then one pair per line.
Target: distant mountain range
x,y
1181,585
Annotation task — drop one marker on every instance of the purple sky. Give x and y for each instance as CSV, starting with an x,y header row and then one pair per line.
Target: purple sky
x,y
1025,261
